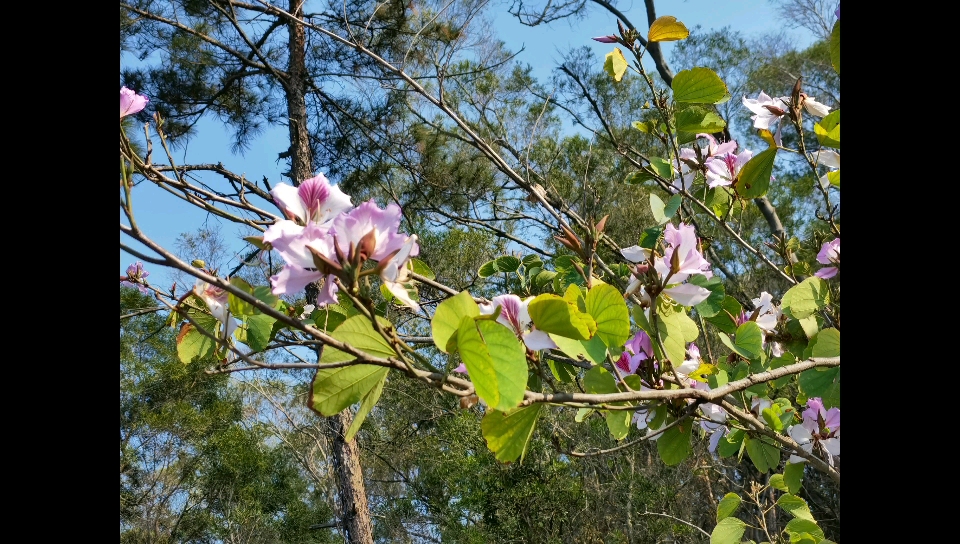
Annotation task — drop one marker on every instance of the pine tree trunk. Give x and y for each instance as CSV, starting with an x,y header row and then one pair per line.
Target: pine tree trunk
x,y
301,161
354,520
354,510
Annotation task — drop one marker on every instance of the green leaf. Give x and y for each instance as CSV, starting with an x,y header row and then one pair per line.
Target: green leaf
x,y
615,64
583,413
793,476
809,326
649,237
496,361
823,383
805,298
562,371
606,305
618,423
699,85
592,350
663,212
446,320
765,456
731,443
367,404
238,306
795,506
834,178
329,317
488,269
835,47
728,505
265,294
726,318
645,127
191,344
599,381
828,130
728,531
553,314
719,200
359,333
749,339
754,178
508,433
776,482
421,268
508,263
696,119
531,260
670,328
667,29
674,444
333,389
730,344
689,327
256,331
544,278
827,344
662,167
714,302
796,527
772,416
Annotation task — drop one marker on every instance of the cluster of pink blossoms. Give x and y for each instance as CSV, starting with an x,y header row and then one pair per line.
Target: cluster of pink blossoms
x,y
820,429
324,234
719,162
681,245
136,277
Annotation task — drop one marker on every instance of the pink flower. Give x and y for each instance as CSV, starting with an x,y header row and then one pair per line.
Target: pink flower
x,y
515,315
135,277
396,274
637,349
723,170
766,110
131,102
606,39
217,301
681,240
315,200
829,254
689,171
820,429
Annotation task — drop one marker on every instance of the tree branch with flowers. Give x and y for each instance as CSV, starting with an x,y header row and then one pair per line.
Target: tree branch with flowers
x,y
579,334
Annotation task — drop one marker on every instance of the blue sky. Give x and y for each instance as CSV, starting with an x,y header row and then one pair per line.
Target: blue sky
x,y
163,217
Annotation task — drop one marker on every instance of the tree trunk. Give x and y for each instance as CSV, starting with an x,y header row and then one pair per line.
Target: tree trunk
x,y
301,160
354,511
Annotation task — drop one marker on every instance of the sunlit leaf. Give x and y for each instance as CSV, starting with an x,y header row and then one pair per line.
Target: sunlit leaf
x,y
754,178
667,29
828,130
728,505
606,305
508,433
699,85
615,65
446,320
496,361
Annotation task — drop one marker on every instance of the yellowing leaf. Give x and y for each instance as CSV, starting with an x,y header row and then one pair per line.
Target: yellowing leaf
x,y
616,64
667,29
